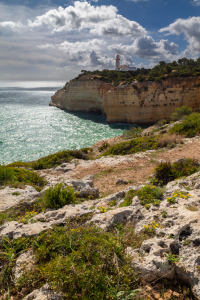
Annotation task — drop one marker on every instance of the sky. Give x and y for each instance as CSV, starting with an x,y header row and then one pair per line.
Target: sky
x,y
56,39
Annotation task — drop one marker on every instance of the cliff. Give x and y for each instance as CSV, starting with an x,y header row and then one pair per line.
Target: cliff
x,y
136,103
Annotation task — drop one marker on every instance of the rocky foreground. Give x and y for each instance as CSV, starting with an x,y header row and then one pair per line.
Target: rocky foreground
x,y
172,252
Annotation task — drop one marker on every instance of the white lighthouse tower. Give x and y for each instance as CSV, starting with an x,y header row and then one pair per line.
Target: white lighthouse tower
x,y
117,62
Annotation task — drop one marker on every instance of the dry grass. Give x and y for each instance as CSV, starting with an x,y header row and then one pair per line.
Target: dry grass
x,y
169,140
192,208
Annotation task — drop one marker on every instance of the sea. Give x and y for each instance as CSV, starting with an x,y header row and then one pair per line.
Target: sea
x,y
31,129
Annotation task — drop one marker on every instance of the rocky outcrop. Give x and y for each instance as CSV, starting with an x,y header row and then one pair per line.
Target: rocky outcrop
x,y
44,293
12,196
137,103
172,252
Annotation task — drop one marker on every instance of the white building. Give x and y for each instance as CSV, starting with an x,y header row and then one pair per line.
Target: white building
x,y
124,67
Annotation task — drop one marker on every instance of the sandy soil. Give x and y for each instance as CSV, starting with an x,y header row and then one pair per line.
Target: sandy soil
x,y
136,170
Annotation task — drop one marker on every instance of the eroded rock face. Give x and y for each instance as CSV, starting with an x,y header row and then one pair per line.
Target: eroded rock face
x,y
84,187
119,215
15,230
8,199
138,103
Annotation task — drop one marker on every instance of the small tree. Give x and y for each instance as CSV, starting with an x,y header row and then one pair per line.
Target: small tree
x,y
181,113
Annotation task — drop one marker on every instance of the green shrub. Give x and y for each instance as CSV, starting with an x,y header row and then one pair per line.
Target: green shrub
x,y
166,172
104,146
6,174
86,150
140,78
133,132
150,194
189,127
17,176
180,113
133,146
161,123
59,196
128,199
57,159
19,164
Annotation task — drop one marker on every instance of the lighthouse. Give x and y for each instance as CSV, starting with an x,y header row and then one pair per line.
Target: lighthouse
x,y
117,62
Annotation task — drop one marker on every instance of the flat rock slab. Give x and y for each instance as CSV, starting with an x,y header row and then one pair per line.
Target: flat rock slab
x,y
15,230
44,293
59,216
8,200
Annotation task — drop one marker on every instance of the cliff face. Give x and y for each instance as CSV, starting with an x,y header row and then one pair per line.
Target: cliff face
x,y
137,103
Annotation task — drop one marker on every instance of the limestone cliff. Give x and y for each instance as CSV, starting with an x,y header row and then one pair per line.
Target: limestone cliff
x,y
136,103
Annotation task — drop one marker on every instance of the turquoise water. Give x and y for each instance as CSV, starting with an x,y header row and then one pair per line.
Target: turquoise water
x,y
30,128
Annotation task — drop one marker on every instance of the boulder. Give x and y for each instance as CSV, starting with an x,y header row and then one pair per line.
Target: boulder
x,y
7,199
15,230
118,215
65,167
44,293
121,181
83,187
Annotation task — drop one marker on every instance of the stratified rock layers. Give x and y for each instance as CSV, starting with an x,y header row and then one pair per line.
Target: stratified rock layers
x,y
136,103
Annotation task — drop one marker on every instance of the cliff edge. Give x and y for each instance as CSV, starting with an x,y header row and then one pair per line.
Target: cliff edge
x,y
136,103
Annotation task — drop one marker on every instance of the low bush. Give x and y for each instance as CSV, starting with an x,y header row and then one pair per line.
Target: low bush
x,y
150,195
52,160
128,199
168,140
20,176
104,146
59,196
181,113
133,132
189,127
161,123
6,174
133,146
166,172
57,159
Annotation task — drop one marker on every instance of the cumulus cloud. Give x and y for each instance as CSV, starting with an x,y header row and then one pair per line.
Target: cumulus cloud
x,y
10,24
84,53
119,26
146,47
100,20
190,28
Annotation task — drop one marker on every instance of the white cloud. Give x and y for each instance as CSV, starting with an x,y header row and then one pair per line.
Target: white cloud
x,y
146,48
85,53
101,20
46,46
196,2
10,24
190,28
119,26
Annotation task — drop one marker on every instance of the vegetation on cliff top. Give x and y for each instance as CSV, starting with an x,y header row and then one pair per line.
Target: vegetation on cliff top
x,y
182,68
52,160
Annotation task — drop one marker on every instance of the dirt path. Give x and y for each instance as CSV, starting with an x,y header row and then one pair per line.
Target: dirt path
x,y
136,171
